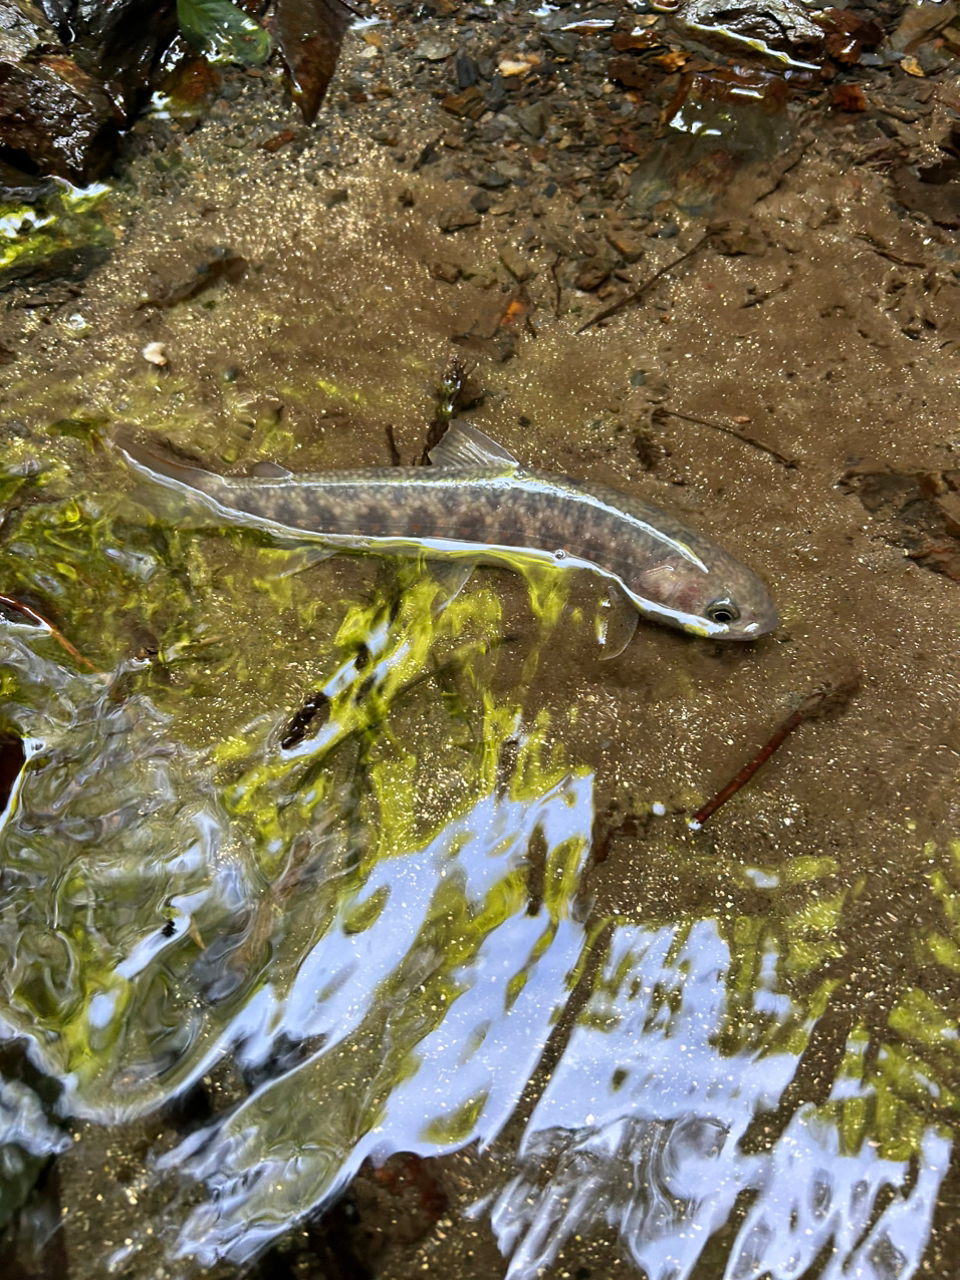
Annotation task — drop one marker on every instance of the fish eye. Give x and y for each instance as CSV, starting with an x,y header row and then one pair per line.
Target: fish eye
x,y
722,611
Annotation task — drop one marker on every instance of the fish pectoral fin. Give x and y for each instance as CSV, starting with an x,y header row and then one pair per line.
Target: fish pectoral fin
x,y
451,576
464,446
615,622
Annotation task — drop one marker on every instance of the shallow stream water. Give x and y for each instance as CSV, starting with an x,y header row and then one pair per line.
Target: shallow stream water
x,y
330,889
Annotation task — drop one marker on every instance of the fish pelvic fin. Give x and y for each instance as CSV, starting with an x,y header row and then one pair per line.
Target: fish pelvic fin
x,y
465,446
615,623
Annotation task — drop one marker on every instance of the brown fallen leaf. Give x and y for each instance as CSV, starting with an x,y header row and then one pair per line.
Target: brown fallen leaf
x,y
626,41
278,140
309,34
671,61
631,72
847,97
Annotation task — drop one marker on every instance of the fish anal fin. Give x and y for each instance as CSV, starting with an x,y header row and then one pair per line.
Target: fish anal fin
x,y
616,623
465,446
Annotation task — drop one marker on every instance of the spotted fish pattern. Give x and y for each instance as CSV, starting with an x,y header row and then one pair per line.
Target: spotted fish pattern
x,y
477,501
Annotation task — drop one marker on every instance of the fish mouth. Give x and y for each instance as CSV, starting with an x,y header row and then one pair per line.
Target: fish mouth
x,y
761,625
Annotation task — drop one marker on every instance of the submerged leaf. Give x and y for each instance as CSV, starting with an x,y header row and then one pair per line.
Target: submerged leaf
x,y
309,34
220,29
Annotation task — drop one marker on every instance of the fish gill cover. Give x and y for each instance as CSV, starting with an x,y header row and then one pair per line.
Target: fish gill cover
x,y
374,914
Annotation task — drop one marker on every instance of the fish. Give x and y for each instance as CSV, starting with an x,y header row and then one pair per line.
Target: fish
x,y
477,502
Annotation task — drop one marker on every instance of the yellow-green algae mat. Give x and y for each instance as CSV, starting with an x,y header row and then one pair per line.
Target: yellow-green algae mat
x,y
396,887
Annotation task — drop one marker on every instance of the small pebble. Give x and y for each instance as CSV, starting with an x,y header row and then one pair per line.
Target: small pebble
x,y
155,353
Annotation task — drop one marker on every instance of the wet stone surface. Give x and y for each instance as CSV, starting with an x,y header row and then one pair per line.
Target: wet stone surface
x,y
352,924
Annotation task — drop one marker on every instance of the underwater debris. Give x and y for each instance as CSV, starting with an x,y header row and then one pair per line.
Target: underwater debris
x,y
920,509
39,620
637,295
220,263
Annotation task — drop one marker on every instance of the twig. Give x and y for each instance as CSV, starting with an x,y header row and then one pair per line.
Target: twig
x,y
764,294
395,459
830,698
556,284
41,621
661,411
882,251
638,295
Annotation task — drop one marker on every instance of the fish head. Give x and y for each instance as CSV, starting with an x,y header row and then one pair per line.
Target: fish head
x,y
713,595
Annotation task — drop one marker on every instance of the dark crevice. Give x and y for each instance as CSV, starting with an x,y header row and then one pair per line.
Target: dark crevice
x,y
12,760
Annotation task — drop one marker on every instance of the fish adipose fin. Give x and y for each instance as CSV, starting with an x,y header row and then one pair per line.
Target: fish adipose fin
x,y
270,471
464,446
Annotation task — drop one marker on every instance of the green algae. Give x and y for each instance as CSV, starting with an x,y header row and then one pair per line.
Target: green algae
x,y
64,233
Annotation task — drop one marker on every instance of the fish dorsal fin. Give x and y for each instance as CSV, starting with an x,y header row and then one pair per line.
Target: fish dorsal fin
x,y
465,446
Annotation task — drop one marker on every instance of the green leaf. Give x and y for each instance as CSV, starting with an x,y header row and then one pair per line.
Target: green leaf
x,y
222,31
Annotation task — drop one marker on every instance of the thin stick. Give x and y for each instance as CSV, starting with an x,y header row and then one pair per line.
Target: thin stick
x,y
830,698
45,622
661,411
556,284
882,251
638,295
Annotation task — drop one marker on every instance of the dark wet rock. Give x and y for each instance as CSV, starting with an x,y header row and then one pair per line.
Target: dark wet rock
x,y
467,71
496,97
933,190
493,179
219,264
62,108
448,271
23,187
848,34
120,43
335,196
591,273
637,41
782,26
918,24
516,262
61,269
56,118
469,104
922,508
191,87
737,239
455,219
563,44
433,50
533,119
480,201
